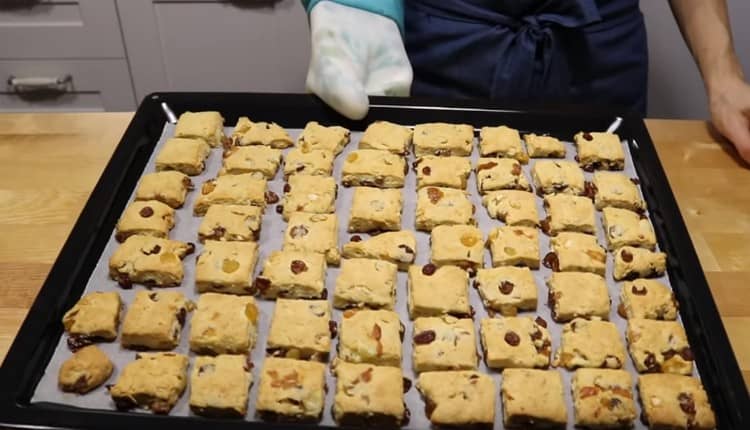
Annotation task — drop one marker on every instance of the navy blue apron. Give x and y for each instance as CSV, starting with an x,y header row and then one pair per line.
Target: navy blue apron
x,y
529,50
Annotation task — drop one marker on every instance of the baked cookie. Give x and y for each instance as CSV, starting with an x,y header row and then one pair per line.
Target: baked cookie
x,y
435,171
147,218
502,141
576,252
444,343
626,228
507,289
375,209
398,247
243,189
311,232
457,245
578,294
647,298
373,168
514,246
599,151
261,161
168,187
226,267
386,136
568,213
675,402
443,206
515,342
291,390
368,395
603,398
543,146
659,346
153,381
631,263
87,369
512,207
436,291
590,344
207,126
309,193
232,223
500,174
533,397
219,386
224,324
462,398
443,139
269,134
293,274
95,317
154,320
316,136
371,336
618,191
557,176
150,261
183,155
364,282
317,162
300,329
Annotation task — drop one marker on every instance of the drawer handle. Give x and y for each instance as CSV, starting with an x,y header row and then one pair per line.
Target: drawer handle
x,y
34,84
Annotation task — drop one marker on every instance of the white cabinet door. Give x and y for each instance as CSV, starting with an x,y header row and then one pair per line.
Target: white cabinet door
x,y
205,45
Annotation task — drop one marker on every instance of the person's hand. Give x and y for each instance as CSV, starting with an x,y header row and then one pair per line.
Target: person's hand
x,y
730,113
355,53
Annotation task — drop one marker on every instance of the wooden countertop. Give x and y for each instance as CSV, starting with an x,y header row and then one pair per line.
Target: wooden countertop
x,y
50,162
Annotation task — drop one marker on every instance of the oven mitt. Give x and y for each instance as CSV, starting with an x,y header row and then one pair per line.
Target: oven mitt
x,y
357,50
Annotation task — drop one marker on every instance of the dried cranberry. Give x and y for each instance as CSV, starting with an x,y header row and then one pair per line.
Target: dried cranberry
x,y
146,211
588,136
248,364
298,266
78,341
512,338
333,328
635,181
406,249
636,291
621,311
426,170
425,337
516,170
287,188
271,197
541,322
551,261
589,189
626,256
434,195
279,209
651,364
484,166
686,354
155,250
687,404
262,284
181,314
506,287
298,231
544,225
407,384
429,269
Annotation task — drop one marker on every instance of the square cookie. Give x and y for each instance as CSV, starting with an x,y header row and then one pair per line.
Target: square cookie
x,y
154,320
457,245
368,395
515,342
300,329
269,134
207,126
243,189
371,336
502,141
659,346
444,343
576,252
675,401
153,381
364,282
311,194
316,136
618,191
233,223
435,171
226,267
514,246
463,398
632,263
500,174
507,289
512,207
168,187
373,168
533,397
219,386
150,261
87,369
543,146
291,390
375,209
443,206
443,139
94,317
293,274
436,291
311,232
316,162
386,136
587,343
647,298
577,294
262,161
626,228
599,151
603,398
557,176
398,247
568,213
147,218
183,155
223,324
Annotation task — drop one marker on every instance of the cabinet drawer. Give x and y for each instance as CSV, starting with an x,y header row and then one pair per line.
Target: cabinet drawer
x,y
60,29
94,85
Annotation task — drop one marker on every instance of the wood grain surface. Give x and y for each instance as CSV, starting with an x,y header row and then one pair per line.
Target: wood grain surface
x,y
49,164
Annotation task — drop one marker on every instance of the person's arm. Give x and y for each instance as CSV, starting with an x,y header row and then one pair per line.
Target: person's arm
x,y
705,27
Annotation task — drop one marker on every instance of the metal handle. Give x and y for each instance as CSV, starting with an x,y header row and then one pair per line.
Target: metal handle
x,y
34,84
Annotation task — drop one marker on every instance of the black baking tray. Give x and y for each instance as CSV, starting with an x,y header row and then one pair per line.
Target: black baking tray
x,y
36,340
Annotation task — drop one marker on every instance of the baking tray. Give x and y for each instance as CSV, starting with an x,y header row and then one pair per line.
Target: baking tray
x,y
40,334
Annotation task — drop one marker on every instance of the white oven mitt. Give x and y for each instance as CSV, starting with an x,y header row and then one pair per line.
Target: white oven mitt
x,y
355,53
